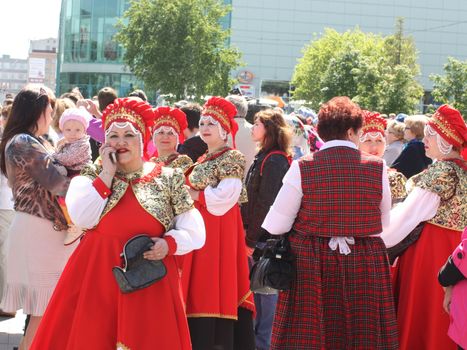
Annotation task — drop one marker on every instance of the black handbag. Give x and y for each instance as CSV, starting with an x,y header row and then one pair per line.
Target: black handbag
x,y
138,272
402,246
275,270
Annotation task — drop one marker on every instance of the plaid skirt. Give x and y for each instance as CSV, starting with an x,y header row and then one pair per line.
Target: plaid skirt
x,y
337,301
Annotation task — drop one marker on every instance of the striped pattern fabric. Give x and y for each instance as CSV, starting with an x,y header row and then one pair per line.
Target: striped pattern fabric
x,y
342,192
337,301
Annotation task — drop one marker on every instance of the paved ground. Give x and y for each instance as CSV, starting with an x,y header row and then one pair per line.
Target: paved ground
x,y
11,331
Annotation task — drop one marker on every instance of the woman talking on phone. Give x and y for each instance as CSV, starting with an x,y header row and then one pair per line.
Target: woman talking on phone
x,y
123,198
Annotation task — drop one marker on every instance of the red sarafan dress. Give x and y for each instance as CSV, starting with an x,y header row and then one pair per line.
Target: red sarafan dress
x,y
423,324
215,278
88,311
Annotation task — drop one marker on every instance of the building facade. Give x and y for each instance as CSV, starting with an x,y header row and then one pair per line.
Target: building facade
x,y
13,75
270,34
42,62
89,57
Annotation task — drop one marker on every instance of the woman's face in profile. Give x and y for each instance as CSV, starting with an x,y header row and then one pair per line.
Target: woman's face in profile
x,y
44,121
258,131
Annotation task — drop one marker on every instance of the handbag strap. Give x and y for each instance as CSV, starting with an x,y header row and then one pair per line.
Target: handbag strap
x,y
289,159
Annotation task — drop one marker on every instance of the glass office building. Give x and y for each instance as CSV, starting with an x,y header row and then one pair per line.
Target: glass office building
x,y
88,56
270,35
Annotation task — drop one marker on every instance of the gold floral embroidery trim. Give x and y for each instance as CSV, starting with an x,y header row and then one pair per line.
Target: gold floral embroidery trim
x,y
164,120
230,317
373,126
218,113
445,127
245,297
126,115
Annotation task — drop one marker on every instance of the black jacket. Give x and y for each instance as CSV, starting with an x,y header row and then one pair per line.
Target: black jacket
x,y
412,159
262,191
449,274
194,148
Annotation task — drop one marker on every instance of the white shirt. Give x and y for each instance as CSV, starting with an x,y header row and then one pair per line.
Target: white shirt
x,y
220,199
420,205
6,196
85,206
282,214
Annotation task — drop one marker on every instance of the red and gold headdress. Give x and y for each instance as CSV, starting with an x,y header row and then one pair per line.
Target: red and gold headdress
x,y
373,122
224,112
448,122
137,113
173,117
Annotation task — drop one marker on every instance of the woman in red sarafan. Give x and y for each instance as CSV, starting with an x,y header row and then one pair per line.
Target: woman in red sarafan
x,y
335,201
373,141
115,202
216,286
168,132
437,197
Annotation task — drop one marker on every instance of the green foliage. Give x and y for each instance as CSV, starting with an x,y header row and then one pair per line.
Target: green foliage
x,y
178,46
376,72
452,87
400,50
398,92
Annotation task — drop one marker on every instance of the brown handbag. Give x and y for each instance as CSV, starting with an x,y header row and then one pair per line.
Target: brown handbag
x,y
402,246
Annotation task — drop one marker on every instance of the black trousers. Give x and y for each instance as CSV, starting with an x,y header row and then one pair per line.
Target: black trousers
x,y
210,333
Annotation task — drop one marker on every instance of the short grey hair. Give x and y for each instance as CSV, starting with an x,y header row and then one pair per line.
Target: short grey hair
x,y
241,104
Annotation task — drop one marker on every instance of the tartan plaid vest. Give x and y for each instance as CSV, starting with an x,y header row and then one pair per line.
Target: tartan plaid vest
x,y
342,192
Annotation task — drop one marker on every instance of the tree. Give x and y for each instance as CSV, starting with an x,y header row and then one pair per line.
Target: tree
x,y
376,72
452,87
178,46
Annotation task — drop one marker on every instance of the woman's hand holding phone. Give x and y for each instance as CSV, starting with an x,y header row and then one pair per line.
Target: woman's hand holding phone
x,y
109,163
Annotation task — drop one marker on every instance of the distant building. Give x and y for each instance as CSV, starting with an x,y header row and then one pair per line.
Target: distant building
x,y
270,35
42,62
13,75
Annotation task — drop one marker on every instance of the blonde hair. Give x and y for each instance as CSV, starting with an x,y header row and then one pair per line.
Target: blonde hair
x,y
397,129
416,124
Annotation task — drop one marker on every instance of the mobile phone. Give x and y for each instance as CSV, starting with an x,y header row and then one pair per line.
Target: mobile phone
x,y
113,157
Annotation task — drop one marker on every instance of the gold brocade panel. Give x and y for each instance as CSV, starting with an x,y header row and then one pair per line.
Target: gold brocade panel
x,y
397,183
181,161
449,181
230,164
160,191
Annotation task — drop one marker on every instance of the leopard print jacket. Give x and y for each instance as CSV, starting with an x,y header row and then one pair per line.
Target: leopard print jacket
x,y
34,179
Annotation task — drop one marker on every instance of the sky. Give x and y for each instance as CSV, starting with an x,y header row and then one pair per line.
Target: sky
x,y
24,20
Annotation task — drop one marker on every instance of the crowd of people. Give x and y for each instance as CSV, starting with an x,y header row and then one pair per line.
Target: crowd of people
x,y
373,208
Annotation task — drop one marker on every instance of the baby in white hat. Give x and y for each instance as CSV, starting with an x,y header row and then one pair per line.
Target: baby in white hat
x,y
74,150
